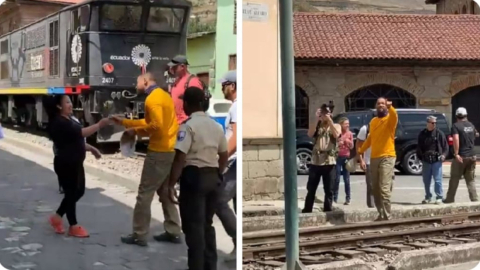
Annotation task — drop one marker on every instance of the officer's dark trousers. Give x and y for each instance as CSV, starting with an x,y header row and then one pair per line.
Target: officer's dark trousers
x,y
199,191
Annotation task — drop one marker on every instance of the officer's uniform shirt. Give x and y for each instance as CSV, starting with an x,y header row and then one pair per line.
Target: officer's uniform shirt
x,y
201,139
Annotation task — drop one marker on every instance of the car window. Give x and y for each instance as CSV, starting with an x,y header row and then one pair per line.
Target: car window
x,y
412,123
442,123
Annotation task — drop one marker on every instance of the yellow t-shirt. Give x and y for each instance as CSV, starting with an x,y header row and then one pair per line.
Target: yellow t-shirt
x,y
381,138
160,123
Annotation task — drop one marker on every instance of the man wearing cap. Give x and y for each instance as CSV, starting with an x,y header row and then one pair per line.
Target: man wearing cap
x,y
178,67
201,154
432,148
463,133
224,212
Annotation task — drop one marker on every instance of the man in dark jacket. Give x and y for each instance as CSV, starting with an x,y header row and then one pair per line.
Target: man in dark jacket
x,y
431,150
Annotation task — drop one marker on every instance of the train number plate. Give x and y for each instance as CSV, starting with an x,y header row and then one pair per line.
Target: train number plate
x,y
108,80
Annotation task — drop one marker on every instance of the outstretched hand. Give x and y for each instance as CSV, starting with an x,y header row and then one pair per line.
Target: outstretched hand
x,y
117,119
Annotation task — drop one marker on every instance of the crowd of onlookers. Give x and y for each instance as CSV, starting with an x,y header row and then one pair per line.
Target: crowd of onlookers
x,y
332,157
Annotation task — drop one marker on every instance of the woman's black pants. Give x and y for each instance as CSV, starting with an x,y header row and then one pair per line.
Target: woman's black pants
x,y
71,176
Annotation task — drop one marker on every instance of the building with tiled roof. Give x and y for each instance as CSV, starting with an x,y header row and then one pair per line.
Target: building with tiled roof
x,y
455,6
429,61
386,37
417,61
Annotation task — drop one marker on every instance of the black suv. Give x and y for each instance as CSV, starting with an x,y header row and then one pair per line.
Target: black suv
x,y
410,123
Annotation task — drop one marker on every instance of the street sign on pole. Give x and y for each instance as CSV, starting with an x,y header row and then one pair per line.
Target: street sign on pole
x,y
289,135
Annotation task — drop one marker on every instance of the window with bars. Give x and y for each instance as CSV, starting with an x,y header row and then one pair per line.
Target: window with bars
x,y
366,97
235,18
54,57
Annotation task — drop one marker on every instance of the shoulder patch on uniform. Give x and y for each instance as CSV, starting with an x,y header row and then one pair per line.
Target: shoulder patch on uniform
x,y
186,120
181,135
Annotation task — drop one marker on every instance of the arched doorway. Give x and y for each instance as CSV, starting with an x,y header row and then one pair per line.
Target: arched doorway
x,y
366,97
301,108
468,99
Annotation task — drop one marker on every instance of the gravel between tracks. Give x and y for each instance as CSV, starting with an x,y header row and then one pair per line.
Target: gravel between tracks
x,y
126,166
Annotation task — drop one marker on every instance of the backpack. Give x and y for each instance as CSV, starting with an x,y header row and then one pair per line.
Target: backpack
x,y
204,88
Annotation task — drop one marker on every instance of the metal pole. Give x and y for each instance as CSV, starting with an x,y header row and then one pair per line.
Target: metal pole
x,y
289,134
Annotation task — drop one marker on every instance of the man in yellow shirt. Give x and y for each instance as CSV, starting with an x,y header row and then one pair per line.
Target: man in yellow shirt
x,y
381,140
160,125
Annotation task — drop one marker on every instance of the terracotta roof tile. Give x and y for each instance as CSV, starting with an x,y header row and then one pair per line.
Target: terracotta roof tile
x,y
386,36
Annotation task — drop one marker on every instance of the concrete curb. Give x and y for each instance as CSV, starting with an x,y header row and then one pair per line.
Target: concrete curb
x,y
353,264
354,216
438,257
103,174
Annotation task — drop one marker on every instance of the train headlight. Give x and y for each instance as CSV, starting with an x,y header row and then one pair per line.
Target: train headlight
x,y
108,68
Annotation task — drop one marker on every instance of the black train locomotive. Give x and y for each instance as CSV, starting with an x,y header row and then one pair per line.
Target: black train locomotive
x,y
92,51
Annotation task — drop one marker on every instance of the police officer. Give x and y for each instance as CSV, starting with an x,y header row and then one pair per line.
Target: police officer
x,y
200,155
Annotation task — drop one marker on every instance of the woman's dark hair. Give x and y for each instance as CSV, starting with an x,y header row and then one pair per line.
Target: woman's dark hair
x,y
197,98
50,104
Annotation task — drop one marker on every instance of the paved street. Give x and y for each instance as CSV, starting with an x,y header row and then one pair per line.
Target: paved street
x,y
407,190
28,194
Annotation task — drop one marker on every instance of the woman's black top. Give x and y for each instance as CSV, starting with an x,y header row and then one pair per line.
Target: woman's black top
x,y
67,138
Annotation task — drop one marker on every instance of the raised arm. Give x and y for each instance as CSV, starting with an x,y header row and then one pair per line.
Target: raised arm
x,y
392,117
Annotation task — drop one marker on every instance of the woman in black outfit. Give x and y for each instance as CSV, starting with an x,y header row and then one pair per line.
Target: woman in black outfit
x,y
68,138
95,152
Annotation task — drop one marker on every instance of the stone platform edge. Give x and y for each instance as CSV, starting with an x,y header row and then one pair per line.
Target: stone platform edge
x,y
103,174
411,260
337,217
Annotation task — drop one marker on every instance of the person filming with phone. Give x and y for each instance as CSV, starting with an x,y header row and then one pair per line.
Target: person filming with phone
x,y
324,157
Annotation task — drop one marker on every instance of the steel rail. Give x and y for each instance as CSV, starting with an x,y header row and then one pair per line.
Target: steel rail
x,y
275,237
347,241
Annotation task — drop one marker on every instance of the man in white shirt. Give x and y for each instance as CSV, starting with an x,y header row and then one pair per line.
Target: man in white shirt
x,y
365,164
224,212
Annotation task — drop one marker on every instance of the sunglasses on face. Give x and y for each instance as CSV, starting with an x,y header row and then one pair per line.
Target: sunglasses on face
x,y
433,123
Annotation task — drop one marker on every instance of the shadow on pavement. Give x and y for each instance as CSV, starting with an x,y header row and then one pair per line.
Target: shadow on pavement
x,y
29,194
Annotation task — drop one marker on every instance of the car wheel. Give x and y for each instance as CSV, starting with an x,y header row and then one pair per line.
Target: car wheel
x,y
304,156
411,164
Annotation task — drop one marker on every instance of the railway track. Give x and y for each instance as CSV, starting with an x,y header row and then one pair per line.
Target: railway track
x,y
327,244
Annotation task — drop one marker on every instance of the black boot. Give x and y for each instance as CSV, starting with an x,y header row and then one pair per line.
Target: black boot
x,y
167,237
